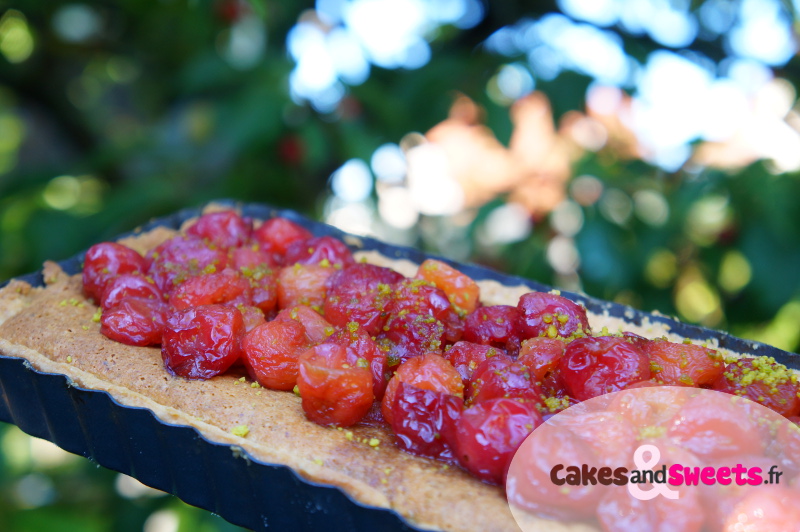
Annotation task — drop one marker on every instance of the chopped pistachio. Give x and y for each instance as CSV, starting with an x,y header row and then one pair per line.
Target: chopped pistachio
x,y
240,430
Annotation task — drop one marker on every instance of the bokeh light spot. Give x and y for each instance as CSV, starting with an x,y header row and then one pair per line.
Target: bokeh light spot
x,y
567,218
696,300
388,163
616,206
586,189
651,207
34,490
506,224
130,488
352,182
734,272
162,521
562,255
707,218
661,268
62,192
16,40
76,22
396,208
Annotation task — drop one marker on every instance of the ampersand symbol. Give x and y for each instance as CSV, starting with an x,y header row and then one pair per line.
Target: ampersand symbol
x,y
642,465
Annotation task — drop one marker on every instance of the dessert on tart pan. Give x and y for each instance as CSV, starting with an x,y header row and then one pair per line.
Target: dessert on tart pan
x,y
224,441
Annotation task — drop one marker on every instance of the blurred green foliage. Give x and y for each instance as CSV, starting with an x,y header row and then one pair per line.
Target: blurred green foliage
x,y
147,116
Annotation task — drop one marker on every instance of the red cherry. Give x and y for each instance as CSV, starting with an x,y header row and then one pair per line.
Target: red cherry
x,y
224,229
502,377
318,249
467,356
128,285
406,336
354,338
105,261
683,364
418,296
278,233
271,351
201,342
360,293
135,321
303,285
597,365
182,257
488,434
225,287
335,389
497,325
428,372
545,314
711,426
541,355
764,381
316,327
252,316
424,421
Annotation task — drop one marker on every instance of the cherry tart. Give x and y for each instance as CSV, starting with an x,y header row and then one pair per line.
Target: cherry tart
x,y
455,379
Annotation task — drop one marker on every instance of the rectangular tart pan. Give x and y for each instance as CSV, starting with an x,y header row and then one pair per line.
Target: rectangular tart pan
x,y
216,477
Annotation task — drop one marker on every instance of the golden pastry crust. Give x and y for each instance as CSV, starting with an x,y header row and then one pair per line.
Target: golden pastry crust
x,y
53,329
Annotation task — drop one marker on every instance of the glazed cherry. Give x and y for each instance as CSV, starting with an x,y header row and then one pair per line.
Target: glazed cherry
x,y
360,293
461,290
502,377
424,421
354,338
488,434
764,381
429,372
225,287
260,268
135,321
541,355
184,256
597,365
224,229
467,356
721,501
683,364
201,342
545,314
768,509
336,389
418,296
303,285
278,233
496,325
529,485
128,285
409,335
271,351
363,276
105,261
317,328
318,249
711,426
252,316
252,258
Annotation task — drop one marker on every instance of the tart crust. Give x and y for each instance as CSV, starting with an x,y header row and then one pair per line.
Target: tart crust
x,y
53,329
